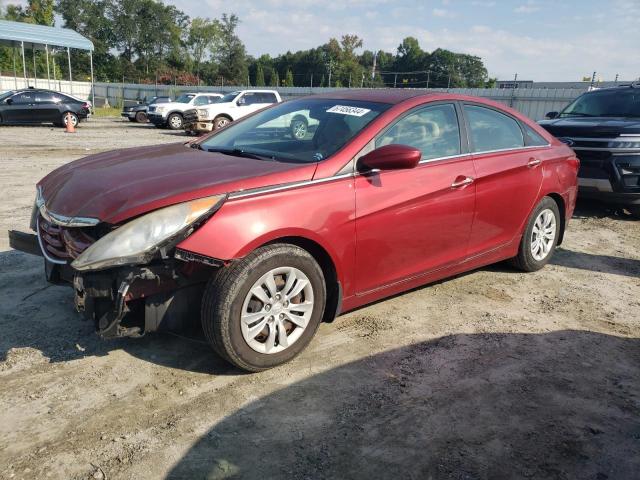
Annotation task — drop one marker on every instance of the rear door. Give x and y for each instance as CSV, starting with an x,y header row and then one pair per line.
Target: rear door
x,y
46,106
508,177
410,222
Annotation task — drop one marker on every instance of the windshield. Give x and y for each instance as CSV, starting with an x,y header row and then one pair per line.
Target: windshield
x,y
6,94
606,103
304,131
228,97
186,98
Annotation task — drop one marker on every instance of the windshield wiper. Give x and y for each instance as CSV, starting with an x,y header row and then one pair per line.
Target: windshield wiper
x,y
238,152
576,114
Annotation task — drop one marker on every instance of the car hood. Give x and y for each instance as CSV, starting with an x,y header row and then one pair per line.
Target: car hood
x,y
117,185
171,105
592,126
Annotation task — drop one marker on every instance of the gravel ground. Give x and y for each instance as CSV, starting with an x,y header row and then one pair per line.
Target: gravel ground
x,y
493,374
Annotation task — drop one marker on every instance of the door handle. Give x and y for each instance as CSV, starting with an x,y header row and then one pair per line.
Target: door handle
x,y
461,183
533,162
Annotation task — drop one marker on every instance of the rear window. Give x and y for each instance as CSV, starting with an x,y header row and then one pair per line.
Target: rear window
x,y
491,130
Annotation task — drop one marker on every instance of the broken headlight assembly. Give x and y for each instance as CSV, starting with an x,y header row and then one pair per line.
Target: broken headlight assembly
x,y
137,241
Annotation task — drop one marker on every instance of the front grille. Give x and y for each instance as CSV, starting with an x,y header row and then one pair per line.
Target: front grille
x,y
152,109
62,243
190,116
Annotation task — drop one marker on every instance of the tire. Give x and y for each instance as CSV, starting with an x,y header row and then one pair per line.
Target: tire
x,y
229,295
299,128
175,121
220,122
533,256
74,119
633,210
141,117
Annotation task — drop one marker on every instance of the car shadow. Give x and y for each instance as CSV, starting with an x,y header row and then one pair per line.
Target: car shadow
x,y
40,319
588,208
628,267
560,405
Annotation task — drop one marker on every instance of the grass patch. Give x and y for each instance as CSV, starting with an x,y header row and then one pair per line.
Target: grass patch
x,y
106,112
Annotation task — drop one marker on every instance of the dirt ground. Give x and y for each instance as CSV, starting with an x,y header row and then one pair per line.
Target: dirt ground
x,y
493,374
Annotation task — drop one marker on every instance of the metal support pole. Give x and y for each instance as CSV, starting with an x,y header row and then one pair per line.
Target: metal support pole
x,y
46,52
35,70
24,67
395,80
428,77
70,77
93,88
311,80
15,74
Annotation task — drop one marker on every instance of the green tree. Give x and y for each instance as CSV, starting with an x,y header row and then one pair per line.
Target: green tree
x,y
231,54
260,76
288,79
203,35
275,79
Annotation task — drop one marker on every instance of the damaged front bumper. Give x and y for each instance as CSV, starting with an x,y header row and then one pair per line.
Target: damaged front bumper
x,y
130,301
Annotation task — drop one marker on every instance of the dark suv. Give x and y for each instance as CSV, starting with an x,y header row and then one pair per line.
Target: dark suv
x,y
138,111
34,105
603,127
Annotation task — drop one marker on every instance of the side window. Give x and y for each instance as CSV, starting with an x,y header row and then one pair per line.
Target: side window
x,y
533,138
23,98
44,97
433,130
201,100
266,97
213,98
250,98
492,130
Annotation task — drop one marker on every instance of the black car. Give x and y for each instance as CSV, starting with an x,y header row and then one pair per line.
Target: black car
x,y
34,105
603,127
138,112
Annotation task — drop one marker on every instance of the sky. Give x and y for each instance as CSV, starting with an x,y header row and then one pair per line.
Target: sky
x,y
541,40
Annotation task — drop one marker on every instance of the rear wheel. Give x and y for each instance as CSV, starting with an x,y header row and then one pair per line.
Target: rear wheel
x,y
633,210
299,128
141,117
540,237
263,310
175,121
69,115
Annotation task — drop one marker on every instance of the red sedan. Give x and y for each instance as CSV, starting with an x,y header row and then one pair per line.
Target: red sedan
x,y
263,234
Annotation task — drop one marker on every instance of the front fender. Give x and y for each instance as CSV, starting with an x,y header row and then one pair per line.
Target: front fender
x,y
319,212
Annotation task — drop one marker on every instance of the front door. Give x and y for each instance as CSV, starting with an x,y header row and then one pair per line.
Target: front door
x,y
508,177
410,222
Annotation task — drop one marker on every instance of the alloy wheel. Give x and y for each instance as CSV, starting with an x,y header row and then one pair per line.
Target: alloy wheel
x,y
543,234
277,310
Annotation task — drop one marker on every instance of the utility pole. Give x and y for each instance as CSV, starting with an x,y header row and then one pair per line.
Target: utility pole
x,y
330,65
449,81
362,81
373,68
513,90
349,79
395,79
616,79
593,79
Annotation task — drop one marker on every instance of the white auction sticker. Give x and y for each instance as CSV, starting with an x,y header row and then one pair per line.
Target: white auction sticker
x,y
346,110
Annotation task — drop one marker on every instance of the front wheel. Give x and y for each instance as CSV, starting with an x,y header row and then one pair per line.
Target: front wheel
x,y
220,122
263,310
540,237
141,117
175,121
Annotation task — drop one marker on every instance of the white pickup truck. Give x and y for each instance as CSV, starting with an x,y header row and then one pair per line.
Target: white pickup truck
x,y
231,107
171,114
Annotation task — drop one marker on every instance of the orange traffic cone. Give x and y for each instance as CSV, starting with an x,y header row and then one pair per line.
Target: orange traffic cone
x,y
70,127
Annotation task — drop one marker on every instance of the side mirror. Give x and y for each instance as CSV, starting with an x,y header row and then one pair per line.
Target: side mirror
x,y
391,157
552,115
241,102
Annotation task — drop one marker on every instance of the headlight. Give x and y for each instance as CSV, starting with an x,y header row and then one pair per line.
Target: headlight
x,y
203,113
137,241
161,109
